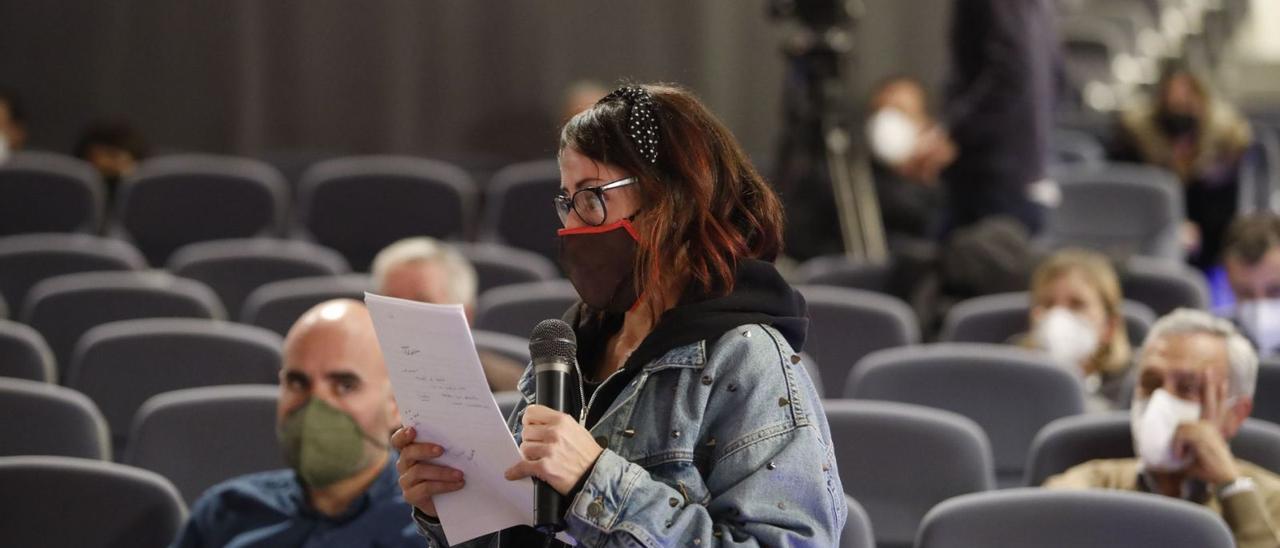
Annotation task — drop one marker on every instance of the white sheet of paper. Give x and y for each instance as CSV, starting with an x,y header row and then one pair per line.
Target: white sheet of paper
x,y
442,393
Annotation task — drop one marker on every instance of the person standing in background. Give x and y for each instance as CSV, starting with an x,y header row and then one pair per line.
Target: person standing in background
x,y
997,114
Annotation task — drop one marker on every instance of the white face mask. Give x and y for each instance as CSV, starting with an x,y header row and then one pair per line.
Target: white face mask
x,y
1153,422
1069,337
1261,319
892,135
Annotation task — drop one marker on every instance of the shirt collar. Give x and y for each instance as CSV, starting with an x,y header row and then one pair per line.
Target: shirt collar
x,y
384,485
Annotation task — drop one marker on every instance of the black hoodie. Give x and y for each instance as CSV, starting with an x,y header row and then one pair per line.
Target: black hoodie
x,y
759,296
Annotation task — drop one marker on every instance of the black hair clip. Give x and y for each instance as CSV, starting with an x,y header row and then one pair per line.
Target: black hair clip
x,y
642,119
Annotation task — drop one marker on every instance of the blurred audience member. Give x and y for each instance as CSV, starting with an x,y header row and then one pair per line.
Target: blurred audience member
x,y
13,123
1195,388
1077,317
335,414
998,113
1199,137
906,179
114,148
579,96
426,270
1251,257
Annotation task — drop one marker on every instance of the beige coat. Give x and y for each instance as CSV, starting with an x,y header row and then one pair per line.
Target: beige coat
x,y
1252,516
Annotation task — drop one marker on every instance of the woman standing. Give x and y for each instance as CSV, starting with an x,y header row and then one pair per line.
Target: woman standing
x,y
692,420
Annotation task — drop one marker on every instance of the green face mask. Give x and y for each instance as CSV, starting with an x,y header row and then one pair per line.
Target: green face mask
x,y
325,445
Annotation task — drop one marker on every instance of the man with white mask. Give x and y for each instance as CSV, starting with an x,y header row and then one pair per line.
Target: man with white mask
x,y
1195,388
1251,257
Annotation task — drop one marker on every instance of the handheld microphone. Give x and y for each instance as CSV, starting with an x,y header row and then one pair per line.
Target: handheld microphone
x,y
554,350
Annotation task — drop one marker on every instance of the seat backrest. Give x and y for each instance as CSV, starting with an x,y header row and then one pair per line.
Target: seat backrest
x,y
498,265
1009,391
996,319
1120,209
1075,148
199,437
839,270
339,201
113,504
857,532
277,305
24,354
1266,395
518,210
46,419
1069,441
508,346
1163,285
47,192
515,309
28,258
847,324
879,444
63,308
234,268
179,199
1047,518
121,364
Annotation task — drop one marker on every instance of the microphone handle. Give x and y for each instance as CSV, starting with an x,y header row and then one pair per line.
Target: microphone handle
x,y
551,379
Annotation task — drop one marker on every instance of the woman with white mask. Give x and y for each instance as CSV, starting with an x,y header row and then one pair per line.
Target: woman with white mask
x,y
1076,317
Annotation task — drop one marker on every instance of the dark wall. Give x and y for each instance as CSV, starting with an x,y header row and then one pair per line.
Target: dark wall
x,y
476,82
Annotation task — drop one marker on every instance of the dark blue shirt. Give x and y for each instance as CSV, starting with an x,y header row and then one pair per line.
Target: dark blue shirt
x,y
271,509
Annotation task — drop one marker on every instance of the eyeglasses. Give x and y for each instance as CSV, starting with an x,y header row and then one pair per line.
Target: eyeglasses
x,y
588,203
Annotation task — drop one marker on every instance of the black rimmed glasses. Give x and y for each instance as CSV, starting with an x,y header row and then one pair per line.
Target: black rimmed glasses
x,y
588,202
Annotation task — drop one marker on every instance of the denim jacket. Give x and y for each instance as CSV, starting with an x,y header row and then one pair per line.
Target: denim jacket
x,y
718,442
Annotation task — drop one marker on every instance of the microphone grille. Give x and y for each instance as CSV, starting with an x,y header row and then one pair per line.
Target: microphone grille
x,y
553,339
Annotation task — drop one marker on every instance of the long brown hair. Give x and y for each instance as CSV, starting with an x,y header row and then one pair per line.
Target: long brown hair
x,y
704,207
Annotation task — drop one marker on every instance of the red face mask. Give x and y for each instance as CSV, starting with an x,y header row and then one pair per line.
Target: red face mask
x,y
600,262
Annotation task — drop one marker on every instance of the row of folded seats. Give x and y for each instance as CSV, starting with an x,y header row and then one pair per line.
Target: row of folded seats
x,y
187,440
179,199
172,201
64,284
995,398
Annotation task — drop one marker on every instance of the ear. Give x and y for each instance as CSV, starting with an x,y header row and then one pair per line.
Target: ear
x,y
1234,416
393,409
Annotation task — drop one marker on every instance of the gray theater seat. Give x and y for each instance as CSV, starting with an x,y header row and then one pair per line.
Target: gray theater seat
x,y
179,199
121,364
114,505
1070,519
47,192
46,419
515,309
847,324
277,305
198,437
64,307
881,446
1010,392
513,212
234,268
27,259
359,205
24,354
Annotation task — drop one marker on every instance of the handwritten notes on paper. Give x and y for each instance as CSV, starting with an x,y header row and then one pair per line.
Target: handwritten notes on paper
x,y
442,393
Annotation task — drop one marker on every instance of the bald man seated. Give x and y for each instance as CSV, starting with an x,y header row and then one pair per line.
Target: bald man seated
x,y
334,419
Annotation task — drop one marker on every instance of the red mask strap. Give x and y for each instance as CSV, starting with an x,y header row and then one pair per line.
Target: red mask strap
x,y
624,223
